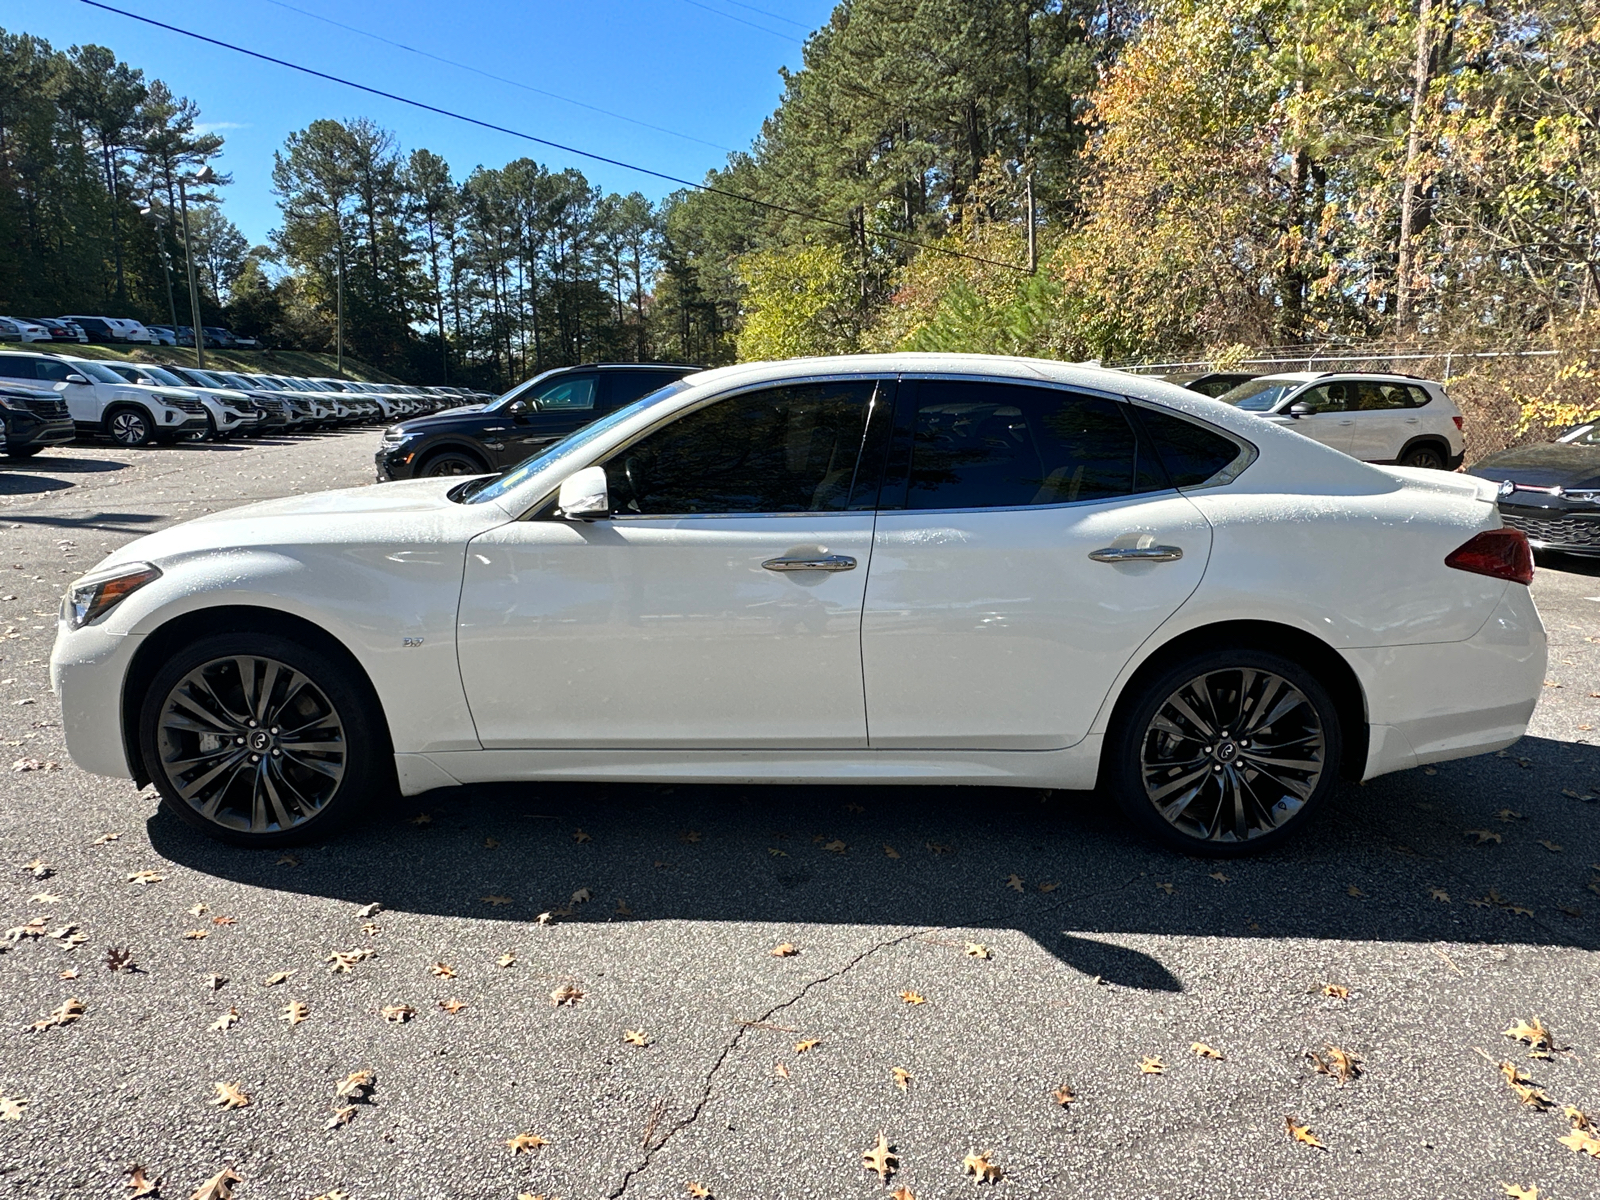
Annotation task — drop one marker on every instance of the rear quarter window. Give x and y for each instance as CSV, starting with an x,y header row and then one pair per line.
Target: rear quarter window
x,y
1191,453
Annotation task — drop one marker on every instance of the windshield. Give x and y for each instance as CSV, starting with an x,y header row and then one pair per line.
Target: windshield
x,y
1583,435
569,447
98,371
162,375
1260,395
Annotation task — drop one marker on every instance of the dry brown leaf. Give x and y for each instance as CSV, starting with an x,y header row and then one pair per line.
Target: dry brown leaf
x,y
1353,890
442,970
980,1166
1340,1064
368,910
371,928
39,869
1205,1051
275,979
218,1187
1483,835
1151,1066
196,935
1219,876
1335,991
11,1108
902,1193
1535,1035
1579,1119
1581,1141
582,896
496,901
215,982
1166,887
698,1190
69,973
295,1011
229,1096
901,1077
881,1159
1520,1193
1302,1133
341,1116
837,846
579,835
146,877
1439,894
784,950
808,1044
287,860
977,950
889,851
565,996
1014,882
397,1014
1063,1095
104,838
344,961
506,959
636,1037
1047,888
139,1185
421,818
1551,846
911,997
226,1021
224,920
355,1086
65,1013
525,1142
780,1070
453,1006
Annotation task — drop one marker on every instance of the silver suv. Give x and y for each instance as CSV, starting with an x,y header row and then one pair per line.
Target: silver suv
x,y
1377,418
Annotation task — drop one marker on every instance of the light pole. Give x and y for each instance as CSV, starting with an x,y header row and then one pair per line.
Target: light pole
x,y
161,220
203,176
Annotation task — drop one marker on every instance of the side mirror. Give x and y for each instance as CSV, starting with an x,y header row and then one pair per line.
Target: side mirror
x,y
583,495
76,378
1301,409
523,408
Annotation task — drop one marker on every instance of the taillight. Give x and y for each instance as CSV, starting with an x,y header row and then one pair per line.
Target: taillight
x,y
1457,420
1499,553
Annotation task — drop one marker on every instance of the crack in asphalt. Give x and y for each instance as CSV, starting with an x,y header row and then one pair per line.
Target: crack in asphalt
x,y
746,1026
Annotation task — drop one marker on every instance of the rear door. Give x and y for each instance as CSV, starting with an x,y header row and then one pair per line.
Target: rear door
x,y
1028,540
1384,417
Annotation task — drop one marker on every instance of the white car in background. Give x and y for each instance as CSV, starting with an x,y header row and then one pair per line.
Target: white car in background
x,y
1376,418
14,329
951,569
227,411
102,402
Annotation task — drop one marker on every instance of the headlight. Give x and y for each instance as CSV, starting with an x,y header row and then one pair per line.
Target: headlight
x,y
95,594
395,434
12,402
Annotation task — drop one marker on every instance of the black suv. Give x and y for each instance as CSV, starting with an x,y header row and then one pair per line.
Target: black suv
x,y
520,423
32,418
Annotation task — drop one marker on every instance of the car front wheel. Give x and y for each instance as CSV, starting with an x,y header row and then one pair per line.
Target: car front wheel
x,y
130,427
261,741
453,462
1225,753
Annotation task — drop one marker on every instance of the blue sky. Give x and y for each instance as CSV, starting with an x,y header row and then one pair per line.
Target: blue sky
x,y
703,68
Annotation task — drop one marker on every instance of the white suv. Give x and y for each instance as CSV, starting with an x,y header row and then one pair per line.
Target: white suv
x,y
228,411
101,401
1377,418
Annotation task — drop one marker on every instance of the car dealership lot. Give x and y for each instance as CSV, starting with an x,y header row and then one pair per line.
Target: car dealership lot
x,y
1111,951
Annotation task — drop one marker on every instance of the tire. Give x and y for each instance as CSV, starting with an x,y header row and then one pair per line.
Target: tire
x,y
1427,457
22,451
1157,756
267,788
453,462
130,427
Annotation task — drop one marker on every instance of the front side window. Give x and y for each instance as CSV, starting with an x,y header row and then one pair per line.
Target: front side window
x,y
1001,445
777,450
569,394
1328,398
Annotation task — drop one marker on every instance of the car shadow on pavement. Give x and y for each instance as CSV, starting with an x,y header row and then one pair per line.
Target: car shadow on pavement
x,y
30,476
1494,849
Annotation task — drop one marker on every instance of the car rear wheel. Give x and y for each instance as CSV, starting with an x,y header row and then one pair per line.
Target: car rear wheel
x,y
130,427
454,462
261,741
1428,457
1225,753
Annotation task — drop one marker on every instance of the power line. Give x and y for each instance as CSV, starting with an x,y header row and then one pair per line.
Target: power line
x,y
377,37
730,17
766,13
517,133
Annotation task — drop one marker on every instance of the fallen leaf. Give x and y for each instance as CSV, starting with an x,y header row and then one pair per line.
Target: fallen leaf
x,y
146,877
1205,1051
357,1085
490,844
911,997
139,1185
837,846
288,860
224,921
215,982
120,958
1520,1193
698,1190
275,979
979,1166
442,970
781,1071
218,1187
104,838
11,1108
565,996
525,1142
1014,882
344,961
1048,887
902,1193
64,1013
421,818
1439,894
196,935
784,950
1335,991
1353,890
1581,1141
1302,1133
44,898
808,1044
622,908
39,869
1340,1064
1550,846
341,1116
1166,887
636,1037
977,950
397,1014
1535,1035
1151,1066
368,910
69,973
579,835
1483,835
229,1096
689,835
1219,877
226,1021
1579,1119
453,1006
881,1159
497,901
901,1077
505,960
295,1011
889,851
1063,1095
582,896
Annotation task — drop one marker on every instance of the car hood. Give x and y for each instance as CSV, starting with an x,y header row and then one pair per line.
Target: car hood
x,y
448,421
1548,465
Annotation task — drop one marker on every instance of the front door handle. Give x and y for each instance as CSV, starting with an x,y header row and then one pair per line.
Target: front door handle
x,y
1116,554
825,562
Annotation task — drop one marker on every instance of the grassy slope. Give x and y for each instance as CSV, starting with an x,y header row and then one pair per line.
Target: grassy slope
x,y
273,362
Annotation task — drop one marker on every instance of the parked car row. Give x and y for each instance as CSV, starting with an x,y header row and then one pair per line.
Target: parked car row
x,y
118,329
47,399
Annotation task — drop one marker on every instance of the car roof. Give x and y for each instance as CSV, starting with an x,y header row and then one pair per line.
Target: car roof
x,y
1310,376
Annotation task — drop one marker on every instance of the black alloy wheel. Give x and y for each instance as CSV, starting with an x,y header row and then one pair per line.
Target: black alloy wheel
x,y
261,741
453,462
1226,752
1426,457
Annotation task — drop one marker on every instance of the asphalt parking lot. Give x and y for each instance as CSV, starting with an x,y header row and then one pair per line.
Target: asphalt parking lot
x,y
963,962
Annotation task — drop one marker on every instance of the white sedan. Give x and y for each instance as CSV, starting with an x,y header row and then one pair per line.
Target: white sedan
x,y
955,569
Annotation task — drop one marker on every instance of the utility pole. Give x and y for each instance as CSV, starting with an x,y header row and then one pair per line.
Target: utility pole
x,y
162,223
203,176
1033,244
339,331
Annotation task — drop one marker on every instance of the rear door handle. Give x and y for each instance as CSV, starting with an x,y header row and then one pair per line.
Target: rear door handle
x,y
825,562
1116,554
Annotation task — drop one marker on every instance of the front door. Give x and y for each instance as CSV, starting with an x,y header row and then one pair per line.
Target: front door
x,y
719,605
1029,542
1330,420
565,405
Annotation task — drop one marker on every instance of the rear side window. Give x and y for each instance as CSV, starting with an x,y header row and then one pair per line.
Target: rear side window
x,y
624,387
573,392
1378,397
976,444
1191,453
